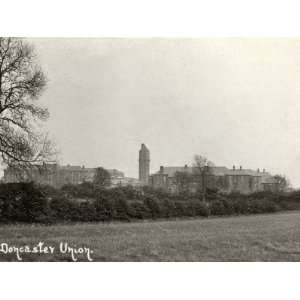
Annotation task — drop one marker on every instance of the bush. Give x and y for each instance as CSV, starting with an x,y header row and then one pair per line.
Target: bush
x,y
153,205
22,202
83,190
202,209
138,210
241,206
263,206
27,202
217,208
168,208
62,209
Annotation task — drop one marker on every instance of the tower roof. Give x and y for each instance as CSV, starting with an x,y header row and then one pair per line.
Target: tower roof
x,y
143,146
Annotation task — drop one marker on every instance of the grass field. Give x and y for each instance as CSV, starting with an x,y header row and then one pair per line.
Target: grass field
x,y
272,237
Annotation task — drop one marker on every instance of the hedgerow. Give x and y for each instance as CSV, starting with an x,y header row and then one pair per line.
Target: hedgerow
x,y
30,203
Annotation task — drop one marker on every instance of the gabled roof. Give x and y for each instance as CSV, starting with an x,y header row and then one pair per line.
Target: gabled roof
x,y
219,171
170,171
216,170
244,172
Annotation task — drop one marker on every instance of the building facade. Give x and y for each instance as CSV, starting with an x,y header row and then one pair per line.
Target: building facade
x,y
225,180
57,176
172,179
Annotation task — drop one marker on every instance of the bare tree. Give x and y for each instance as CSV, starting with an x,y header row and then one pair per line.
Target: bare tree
x,y
183,181
202,168
283,182
21,83
102,178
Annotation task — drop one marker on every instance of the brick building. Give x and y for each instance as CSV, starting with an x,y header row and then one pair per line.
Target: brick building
x,y
225,180
56,175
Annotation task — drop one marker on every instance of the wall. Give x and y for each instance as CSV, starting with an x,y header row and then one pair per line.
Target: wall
x,y
244,184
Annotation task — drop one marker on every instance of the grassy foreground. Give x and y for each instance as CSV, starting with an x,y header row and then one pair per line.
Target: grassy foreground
x,y
272,237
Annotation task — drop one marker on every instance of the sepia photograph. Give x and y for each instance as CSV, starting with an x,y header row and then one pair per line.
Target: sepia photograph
x,y
149,149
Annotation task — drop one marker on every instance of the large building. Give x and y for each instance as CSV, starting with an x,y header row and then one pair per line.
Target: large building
x,y
144,165
222,179
57,176
225,180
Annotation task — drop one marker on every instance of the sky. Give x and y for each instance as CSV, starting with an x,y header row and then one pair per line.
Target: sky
x,y
235,101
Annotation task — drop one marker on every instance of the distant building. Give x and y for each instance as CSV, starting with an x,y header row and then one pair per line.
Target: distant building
x,y
56,175
223,179
219,178
124,181
144,165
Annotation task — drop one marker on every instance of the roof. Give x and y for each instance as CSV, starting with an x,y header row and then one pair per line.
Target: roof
x,y
170,171
219,171
115,172
216,170
269,180
247,172
83,168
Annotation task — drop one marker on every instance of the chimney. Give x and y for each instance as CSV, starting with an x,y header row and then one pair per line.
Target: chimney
x,y
264,170
161,170
258,170
233,168
241,168
185,166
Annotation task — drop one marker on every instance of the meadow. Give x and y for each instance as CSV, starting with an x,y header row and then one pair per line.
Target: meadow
x,y
263,237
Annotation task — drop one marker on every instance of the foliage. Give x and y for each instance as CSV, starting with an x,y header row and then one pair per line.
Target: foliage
x,y
202,168
22,202
27,202
21,83
102,178
183,181
283,182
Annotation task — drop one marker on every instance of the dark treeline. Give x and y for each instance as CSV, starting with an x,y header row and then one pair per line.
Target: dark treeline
x,y
29,203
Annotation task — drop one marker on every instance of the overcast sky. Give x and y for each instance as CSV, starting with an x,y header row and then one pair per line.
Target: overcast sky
x,y
236,101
